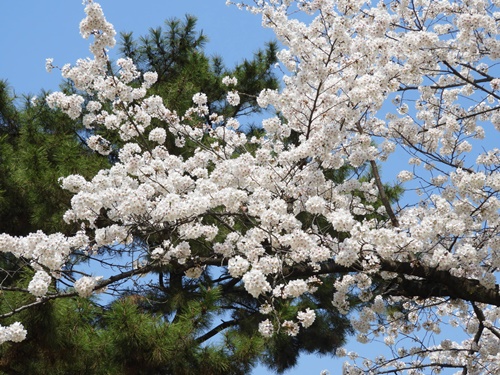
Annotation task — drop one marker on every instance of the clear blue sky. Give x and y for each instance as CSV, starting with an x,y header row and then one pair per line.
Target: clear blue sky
x,y
33,30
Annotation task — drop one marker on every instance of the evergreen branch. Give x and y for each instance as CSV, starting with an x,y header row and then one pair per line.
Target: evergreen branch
x,y
216,330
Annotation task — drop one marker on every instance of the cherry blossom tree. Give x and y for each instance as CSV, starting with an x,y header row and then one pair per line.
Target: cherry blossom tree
x,y
363,81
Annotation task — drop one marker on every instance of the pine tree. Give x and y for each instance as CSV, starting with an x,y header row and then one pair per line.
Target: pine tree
x,y
37,147
174,324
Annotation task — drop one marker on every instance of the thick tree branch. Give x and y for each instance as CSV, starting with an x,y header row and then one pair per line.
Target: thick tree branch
x,y
432,282
458,287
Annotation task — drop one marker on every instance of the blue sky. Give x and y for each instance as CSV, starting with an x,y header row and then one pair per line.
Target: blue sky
x,y
31,31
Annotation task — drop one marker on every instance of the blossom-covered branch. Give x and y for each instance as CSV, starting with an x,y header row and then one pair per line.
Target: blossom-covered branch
x,y
303,208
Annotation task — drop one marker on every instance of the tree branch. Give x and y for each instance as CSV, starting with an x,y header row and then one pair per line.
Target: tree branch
x,y
432,282
216,330
383,195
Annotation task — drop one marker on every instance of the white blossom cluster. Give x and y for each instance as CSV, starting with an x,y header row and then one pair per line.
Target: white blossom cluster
x,y
15,333
306,317
39,284
50,251
72,105
85,285
266,328
233,98
49,64
228,81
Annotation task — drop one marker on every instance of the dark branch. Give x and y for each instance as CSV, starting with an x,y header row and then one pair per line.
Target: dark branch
x,y
432,282
216,330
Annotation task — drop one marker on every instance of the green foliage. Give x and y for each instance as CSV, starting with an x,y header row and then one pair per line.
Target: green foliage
x,y
40,146
176,54
76,336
